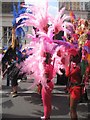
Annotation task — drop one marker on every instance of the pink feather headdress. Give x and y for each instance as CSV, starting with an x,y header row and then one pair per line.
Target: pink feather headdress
x,y
60,22
40,19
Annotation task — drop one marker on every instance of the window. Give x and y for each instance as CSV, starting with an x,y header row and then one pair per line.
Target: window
x,y
87,6
7,7
6,35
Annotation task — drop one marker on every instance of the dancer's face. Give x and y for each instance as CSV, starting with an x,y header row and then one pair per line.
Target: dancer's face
x,y
74,65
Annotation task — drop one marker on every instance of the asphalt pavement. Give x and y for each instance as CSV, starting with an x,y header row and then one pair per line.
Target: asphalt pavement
x,y
28,104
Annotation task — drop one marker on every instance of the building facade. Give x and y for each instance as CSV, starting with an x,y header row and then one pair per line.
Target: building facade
x,y
6,23
6,15
81,8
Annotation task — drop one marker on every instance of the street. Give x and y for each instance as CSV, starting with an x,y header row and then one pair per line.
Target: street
x,y
28,104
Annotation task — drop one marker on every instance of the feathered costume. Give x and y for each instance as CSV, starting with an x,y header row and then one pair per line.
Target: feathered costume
x,y
44,43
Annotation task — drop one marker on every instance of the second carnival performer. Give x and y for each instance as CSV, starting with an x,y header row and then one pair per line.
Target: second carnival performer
x,y
73,72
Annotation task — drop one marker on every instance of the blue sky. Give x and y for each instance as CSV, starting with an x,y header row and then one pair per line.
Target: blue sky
x,y
53,5
53,2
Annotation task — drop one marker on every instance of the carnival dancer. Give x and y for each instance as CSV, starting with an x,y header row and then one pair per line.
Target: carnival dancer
x,y
86,80
47,91
88,72
12,70
75,90
84,65
42,71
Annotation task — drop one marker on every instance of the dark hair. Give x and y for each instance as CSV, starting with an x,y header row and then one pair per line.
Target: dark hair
x,y
75,59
